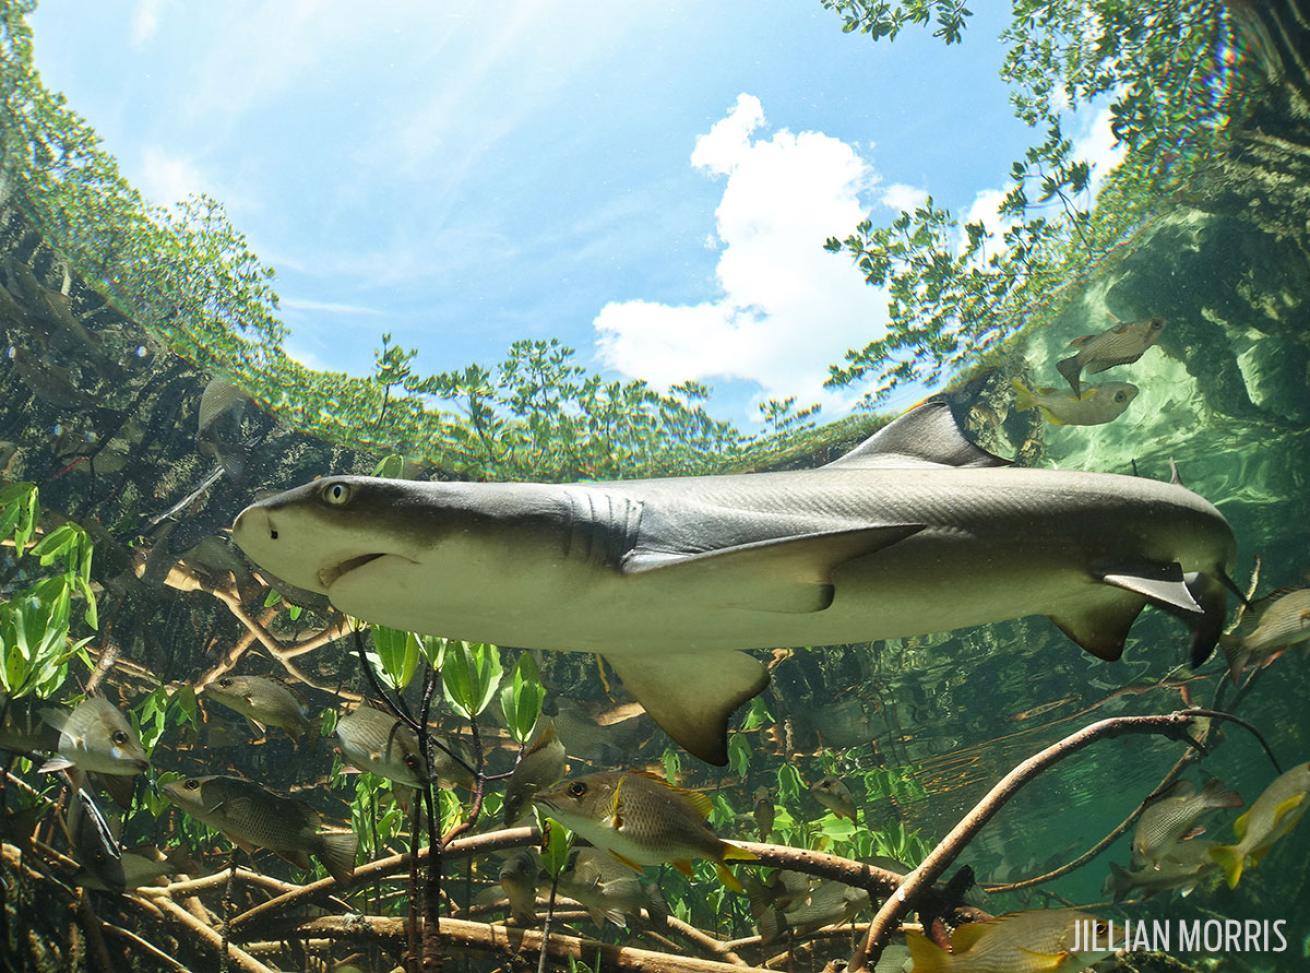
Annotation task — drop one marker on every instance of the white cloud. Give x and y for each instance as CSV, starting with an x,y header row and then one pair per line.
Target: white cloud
x,y
145,21
165,178
1096,146
787,308
902,197
325,307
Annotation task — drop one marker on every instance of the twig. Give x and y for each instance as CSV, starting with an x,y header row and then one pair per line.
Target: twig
x,y
909,895
145,946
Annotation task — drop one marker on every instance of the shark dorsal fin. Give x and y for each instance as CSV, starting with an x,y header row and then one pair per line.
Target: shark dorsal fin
x,y
927,435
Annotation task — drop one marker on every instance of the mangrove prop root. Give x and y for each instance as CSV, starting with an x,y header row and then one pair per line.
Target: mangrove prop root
x,y
910,893
206,935
505,941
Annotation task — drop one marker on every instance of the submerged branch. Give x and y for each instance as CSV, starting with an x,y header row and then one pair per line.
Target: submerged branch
x,y
910,894
508,941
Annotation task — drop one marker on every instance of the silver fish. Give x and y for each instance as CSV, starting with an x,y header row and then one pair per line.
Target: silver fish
x,y
605,889
1170,817
1182,868
95,737
763,811
1275,623
833,794
541,766
913,532
381,744
265,702
254,817
1122,344
518,879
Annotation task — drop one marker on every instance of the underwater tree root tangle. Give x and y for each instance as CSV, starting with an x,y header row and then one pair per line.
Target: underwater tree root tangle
x,y
909,896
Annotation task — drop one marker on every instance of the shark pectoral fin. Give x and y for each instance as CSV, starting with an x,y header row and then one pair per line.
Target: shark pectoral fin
x,y
692,694
1101,629
1162,585
787,574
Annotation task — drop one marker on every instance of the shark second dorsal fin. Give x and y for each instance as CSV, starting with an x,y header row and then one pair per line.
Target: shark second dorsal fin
x,y
927,435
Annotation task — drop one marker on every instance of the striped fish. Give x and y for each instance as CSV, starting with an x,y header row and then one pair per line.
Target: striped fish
x,y
1123,344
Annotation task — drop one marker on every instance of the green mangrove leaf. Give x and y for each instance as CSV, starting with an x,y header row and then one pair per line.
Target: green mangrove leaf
x,y
739,754
397,654
557,842
470,674
521,698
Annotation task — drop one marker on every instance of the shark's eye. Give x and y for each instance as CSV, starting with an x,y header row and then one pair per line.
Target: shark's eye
x,y
119,738
1157,324
191,784
577,788
336,494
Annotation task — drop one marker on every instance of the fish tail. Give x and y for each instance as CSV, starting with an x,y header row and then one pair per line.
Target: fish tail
x,y
735,852
1023,396
1231,859
928,957
1236,653
1071,369
728,879
337,850
1119,883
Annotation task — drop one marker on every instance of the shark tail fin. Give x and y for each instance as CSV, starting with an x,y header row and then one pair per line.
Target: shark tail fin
x,y
1071,369
1023,396
928,957
1207,627
1231,859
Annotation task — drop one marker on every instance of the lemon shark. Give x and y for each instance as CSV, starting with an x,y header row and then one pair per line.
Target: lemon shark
x,y
915,531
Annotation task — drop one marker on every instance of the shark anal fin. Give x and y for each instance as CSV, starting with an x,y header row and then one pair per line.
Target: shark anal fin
x,y
787,574
692,694
1102,629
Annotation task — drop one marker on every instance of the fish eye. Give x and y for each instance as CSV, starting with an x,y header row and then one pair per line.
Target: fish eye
x,y
336,494
225,682
1120,396
192,784
411,761
577,788
1157,324
119,737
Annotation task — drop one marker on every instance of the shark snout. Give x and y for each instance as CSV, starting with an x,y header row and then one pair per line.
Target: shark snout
x,y
254,524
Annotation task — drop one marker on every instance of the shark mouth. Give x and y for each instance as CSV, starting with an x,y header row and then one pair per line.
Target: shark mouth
x,y
329,576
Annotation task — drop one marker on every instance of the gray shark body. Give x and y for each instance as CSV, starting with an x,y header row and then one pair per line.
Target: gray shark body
x,y
915,531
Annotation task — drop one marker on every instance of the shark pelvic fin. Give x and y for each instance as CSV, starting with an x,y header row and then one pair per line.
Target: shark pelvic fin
x,y
786,574
1102,629
1162,585
692,694
927,435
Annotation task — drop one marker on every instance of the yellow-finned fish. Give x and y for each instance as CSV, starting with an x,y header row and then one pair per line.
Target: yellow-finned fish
x,y
1273,814
1040,941
1277,621
96,738
541,765
254,817
833,794
1122,344
264,702
1170,817
642,820
1094,406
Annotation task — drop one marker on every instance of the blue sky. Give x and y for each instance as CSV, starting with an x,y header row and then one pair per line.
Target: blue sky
x,y
649,182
